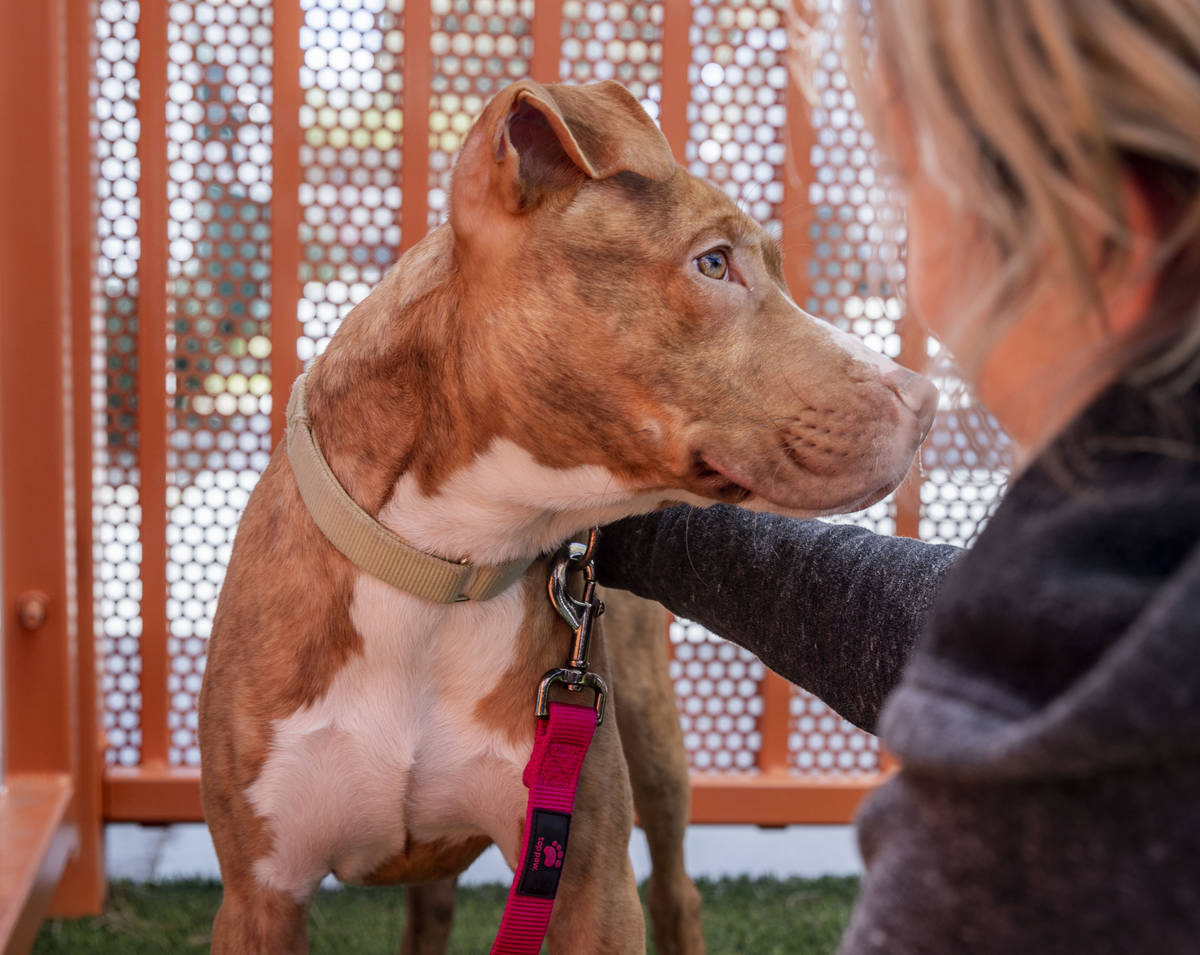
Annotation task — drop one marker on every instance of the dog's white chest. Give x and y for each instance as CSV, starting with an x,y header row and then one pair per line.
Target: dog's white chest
x,y
391,752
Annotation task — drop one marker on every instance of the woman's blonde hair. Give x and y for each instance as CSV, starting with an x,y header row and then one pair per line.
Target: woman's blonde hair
x,y
1033,115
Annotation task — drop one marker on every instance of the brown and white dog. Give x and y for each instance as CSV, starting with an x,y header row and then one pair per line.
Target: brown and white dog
x,y
593,333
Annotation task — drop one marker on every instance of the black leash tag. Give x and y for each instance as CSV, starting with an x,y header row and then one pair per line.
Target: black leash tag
x,y
544,857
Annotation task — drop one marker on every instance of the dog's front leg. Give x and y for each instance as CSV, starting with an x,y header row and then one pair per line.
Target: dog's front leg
x,y
254,920
635,632
430,908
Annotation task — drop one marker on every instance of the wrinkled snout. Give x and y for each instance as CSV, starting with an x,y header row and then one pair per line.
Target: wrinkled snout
x,y
918,398
844,424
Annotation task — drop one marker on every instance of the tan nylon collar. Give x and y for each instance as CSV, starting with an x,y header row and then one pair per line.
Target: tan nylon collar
x,y
370,545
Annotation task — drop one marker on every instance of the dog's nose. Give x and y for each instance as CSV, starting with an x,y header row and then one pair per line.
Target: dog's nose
x,y
917,393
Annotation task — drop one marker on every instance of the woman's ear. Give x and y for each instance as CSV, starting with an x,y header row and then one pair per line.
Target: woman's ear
x,y
1132,283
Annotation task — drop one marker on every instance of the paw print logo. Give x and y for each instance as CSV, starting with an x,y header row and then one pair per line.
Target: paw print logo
x,y
552,855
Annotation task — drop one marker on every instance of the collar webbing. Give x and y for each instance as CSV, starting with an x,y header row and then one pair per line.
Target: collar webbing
x,y
370,545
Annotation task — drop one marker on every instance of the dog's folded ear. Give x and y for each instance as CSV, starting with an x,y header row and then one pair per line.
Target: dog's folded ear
x,y
534,140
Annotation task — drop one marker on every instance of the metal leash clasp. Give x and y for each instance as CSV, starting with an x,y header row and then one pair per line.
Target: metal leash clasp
x,y
580,614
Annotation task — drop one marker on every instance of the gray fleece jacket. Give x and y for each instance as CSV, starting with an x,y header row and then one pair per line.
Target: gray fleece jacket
x,y
1042,689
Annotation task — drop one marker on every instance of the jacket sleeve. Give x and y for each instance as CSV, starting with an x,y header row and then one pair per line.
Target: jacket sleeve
x,y
834,608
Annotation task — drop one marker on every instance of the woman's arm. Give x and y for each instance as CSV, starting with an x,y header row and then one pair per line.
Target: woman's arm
x,y
834,608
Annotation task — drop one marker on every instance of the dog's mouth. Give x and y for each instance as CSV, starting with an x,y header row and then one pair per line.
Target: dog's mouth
x,y
721,479
716,482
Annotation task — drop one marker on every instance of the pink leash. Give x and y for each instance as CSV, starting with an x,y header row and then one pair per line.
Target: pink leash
x,y
564,732
552,776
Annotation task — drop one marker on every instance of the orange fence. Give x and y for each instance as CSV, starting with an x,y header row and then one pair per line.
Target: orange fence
x,y
254,166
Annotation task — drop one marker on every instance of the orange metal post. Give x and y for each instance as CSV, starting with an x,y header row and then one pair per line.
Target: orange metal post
x,y
913,343
285,208
676,56
152,369
33,366
45,640
547,41
796,212
414,172
776,696
83,885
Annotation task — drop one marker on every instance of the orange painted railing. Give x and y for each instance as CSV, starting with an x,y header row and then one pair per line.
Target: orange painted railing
x,y
50,763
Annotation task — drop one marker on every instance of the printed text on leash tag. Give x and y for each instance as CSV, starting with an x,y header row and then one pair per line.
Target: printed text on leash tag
x,y
544,857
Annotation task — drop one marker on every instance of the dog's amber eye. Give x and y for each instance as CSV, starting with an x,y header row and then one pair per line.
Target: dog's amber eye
x,y
714,264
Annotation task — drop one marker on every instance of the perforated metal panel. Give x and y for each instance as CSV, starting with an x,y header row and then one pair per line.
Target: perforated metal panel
x,y
719,689
615,41
965,464
478,46
736,116
116,507
219,389
822,743
855,268
352,120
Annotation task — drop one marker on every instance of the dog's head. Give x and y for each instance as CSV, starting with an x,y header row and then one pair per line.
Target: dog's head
x,y
645,323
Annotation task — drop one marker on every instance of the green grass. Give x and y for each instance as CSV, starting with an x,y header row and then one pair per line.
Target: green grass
x,y
763,916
